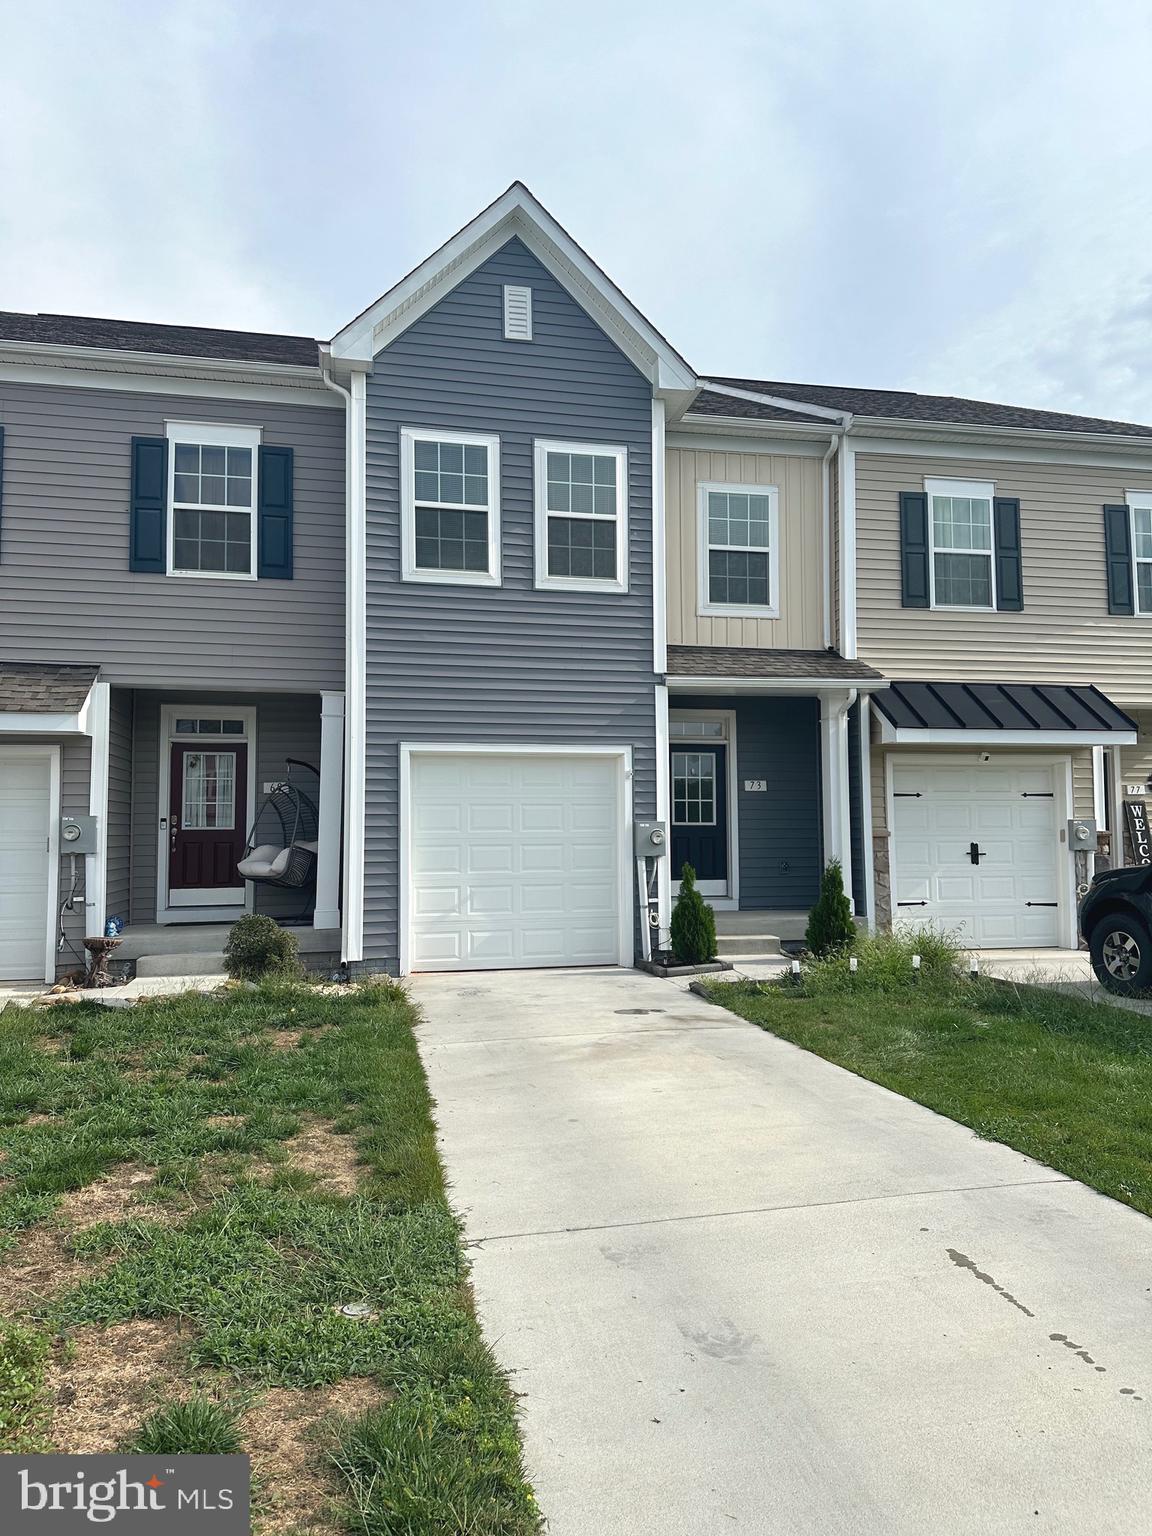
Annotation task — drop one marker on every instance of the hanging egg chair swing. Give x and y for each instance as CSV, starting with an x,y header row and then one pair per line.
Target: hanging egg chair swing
x,y
281,847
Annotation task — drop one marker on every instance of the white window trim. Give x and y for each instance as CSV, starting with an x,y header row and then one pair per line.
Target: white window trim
x,y
410,571
213,435
974,489
704,604
682,748
1143,500
729,900
618,583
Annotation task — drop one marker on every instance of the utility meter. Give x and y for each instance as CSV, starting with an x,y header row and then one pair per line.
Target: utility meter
x,y
651,839
1082,834
78,834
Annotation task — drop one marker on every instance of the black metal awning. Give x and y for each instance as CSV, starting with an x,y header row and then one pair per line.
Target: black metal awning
x,y
1019,714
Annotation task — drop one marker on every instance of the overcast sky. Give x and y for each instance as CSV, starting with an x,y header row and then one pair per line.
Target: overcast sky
x,y
947,195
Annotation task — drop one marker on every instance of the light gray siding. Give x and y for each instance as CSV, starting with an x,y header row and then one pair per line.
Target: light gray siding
x,y
286,726
119,829
508,664
67,595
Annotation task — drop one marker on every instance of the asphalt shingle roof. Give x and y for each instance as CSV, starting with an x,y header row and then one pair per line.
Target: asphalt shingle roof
x,y
43,689
172,340
736,661
900,405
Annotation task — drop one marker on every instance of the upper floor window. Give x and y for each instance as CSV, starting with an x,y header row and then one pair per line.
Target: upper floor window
x,y
960,528
212,492
739,554
581,517
1140,510
451,500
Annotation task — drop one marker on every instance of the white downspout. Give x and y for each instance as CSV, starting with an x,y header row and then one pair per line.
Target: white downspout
x,y
847,551
356,535
826,497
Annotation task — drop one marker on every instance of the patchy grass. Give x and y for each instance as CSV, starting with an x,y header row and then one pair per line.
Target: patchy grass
x,y
190,1192
1067,1081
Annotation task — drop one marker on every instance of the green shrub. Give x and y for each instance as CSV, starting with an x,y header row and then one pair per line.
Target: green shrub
x,y
693,931
198,1427
884,964
258,947
830,926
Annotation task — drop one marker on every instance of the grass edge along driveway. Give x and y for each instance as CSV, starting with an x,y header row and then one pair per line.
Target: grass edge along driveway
x,y
247,1255
1062,1079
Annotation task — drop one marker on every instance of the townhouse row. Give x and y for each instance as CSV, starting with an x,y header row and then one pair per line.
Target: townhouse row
x,y
396,637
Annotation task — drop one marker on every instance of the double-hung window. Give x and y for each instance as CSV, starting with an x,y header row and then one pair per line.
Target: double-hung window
x,y
739,550
450,493
212,493
963,571
1140,511
581,517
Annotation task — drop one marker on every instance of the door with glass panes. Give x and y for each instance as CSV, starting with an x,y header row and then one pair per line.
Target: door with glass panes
x,y
698,773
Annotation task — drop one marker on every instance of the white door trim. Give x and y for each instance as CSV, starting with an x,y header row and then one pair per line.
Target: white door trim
x,y
729,899
52,754
1062,783
207,912
623,756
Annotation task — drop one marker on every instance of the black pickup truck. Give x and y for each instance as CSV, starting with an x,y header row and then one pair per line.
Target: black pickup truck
x,y
1116,923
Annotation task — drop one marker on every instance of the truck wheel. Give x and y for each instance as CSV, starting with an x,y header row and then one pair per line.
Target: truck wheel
x,y
1121,949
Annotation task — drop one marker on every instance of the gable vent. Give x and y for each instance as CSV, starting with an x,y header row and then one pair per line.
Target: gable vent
x,y
517,314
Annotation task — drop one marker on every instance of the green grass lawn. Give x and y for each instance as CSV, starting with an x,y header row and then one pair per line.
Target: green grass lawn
x,y
244,1251
1066,1081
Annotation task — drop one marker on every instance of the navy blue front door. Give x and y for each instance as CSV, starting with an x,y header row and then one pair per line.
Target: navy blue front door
x,y
700,811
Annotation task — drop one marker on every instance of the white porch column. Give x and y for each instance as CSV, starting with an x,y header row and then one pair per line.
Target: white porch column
x,y
99,727
836,803
327,914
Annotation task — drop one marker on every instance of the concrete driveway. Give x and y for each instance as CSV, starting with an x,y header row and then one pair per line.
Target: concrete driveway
x,y
739,1288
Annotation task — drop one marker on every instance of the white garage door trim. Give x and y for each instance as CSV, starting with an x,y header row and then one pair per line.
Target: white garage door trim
x,y
623,758
1060,763
51,754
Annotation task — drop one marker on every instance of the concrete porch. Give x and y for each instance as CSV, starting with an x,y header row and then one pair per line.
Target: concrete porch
x,y
756,935
197,949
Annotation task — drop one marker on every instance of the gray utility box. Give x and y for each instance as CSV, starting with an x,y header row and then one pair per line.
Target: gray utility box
x,y
651,839
1082,834
78,834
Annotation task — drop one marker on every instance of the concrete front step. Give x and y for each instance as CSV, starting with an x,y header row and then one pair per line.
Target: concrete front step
x,y
747,946
193,962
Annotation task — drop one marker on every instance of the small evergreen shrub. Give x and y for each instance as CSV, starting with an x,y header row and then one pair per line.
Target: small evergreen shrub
x,y
830,925
693,931
198,1427
258,948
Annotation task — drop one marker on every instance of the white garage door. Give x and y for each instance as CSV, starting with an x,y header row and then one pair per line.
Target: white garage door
x,y
976,848
515,861
25,803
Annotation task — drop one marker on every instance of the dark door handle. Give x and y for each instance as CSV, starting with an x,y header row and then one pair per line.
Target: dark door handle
x,y
975,853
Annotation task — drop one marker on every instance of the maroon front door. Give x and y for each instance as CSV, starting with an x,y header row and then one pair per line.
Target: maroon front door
x,y
208,817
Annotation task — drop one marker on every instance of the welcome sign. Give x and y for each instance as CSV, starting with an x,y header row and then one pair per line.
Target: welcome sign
x,y
138,1495
1136,815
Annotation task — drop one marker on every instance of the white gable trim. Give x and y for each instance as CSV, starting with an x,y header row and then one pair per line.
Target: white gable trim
x,y
517,214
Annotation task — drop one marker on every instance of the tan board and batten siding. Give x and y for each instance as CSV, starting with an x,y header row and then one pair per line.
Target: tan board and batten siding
x,y
800,625
1065,633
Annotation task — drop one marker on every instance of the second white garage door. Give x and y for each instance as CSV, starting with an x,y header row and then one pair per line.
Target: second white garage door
x,y
976,848
514,861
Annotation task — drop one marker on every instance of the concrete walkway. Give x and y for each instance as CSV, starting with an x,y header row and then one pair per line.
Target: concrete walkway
x,y
740,1289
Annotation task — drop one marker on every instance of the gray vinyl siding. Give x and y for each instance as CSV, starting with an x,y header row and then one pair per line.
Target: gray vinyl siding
x,y
119,829
67,595
508,664
779,829
286,726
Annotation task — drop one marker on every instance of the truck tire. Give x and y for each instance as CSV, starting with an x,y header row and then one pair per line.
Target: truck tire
x,y
1121,950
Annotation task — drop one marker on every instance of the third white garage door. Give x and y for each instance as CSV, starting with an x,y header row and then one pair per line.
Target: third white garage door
x,y
976,848
515,860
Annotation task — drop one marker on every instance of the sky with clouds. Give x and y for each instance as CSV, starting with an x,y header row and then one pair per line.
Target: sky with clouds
x,y
948,195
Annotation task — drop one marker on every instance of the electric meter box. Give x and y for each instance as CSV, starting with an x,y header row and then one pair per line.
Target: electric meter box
x,y
78,834
651,839
1082,834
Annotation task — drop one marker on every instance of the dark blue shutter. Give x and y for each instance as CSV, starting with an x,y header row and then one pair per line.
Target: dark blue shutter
x,y
1006,539
148,549
275,514
915,590
1118,554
